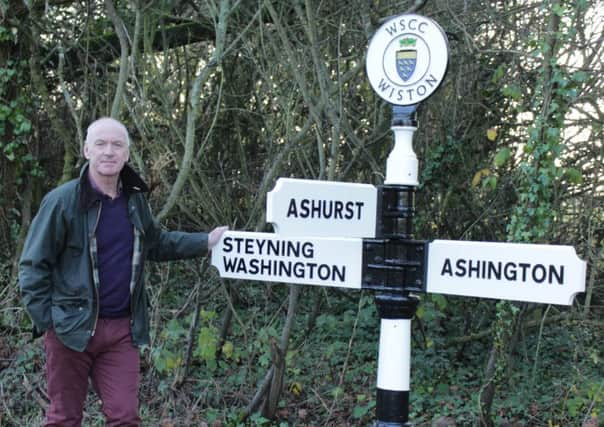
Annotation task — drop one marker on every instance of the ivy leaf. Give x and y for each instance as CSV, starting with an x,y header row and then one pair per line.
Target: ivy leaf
x,y
558,10
440,301
490,182
359,411
513,91
206,344
172,362
479,175
574,175
227,349
498,74
579,76
502,156
492,134
295,388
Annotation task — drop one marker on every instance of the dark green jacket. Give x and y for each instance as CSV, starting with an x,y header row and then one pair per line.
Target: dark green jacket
x,y
58,273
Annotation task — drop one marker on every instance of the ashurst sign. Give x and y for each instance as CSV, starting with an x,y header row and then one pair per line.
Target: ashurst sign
x,y
407,59
322,208
514,271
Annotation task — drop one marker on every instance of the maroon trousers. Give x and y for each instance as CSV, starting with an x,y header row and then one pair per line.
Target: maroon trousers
x,y
110,360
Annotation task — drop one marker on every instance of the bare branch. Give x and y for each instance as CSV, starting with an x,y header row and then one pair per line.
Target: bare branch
x,y
120,30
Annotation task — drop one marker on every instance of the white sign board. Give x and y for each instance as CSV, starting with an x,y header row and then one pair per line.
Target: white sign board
x,y
513,271
305,260
301,207
407,59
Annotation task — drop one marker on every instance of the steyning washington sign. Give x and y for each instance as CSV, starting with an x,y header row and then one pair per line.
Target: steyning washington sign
x,y
272,257
407,59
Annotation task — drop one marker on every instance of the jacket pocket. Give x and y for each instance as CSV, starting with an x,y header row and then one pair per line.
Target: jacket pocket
x,y
69,313
74,251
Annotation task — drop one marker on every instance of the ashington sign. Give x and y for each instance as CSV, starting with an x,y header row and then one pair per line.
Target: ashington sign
x,y
514,271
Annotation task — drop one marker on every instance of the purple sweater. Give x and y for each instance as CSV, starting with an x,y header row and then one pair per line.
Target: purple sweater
x,y
115,240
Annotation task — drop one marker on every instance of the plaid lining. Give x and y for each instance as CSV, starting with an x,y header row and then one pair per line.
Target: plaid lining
x,y
95,268
136,258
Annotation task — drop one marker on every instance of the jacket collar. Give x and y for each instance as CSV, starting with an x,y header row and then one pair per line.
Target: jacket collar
x,y
131,183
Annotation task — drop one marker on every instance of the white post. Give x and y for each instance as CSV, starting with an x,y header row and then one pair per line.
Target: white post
x,y
396,310
394,355
402,165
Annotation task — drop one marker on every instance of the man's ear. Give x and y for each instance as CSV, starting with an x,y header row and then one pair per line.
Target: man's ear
x,y
85,150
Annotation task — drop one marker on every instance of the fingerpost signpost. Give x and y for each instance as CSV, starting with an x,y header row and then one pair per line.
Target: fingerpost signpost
x,y
359,236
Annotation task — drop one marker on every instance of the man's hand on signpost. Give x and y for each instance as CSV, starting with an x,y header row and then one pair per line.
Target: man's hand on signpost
x,y
215,236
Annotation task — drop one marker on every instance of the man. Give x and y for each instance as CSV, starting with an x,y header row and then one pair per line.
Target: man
x,y
81,278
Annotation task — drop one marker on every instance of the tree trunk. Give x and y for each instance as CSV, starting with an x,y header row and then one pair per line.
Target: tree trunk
x,y
279,352
488,391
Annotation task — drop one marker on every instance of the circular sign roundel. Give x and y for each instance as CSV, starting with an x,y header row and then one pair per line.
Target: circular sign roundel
x,y
407,59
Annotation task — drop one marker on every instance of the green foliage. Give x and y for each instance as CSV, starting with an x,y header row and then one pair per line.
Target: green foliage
x,y
15,124
364,408
17,378
207,340
166,357
539,176
502,156
588,398
446,382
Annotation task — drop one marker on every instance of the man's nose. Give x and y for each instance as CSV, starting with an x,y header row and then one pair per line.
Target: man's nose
x,y
108,150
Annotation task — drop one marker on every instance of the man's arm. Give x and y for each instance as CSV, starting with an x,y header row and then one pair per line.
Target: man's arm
x,y
172,245
44,242
163,245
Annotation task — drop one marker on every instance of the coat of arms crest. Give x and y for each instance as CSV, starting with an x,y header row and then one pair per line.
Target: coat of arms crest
x,y
406,58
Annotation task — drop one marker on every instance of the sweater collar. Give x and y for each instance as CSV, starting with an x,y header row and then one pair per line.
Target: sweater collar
x,y
130,181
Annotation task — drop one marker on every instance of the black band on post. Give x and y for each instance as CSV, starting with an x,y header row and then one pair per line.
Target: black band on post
x,y
393,306
392,408
404,115
396,207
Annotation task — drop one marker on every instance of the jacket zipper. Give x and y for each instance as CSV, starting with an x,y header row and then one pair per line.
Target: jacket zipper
x,y
133,278
137,252
95,267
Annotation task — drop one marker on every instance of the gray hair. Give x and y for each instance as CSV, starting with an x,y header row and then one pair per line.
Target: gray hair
x,y
105,120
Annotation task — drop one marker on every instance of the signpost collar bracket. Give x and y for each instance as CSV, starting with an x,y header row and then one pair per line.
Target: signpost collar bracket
x,y
394,265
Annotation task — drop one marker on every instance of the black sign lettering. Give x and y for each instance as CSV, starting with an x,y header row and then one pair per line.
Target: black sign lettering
x,y
508,271
461,268
284,269
446,270
291,210
384,86
325,209
559,273
228,246
431,80
392,28
305,210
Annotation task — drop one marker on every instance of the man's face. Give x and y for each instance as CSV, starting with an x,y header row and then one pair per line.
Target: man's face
x,y
107,150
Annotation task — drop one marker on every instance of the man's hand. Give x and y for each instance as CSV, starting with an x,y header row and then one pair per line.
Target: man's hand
x,y
215,236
